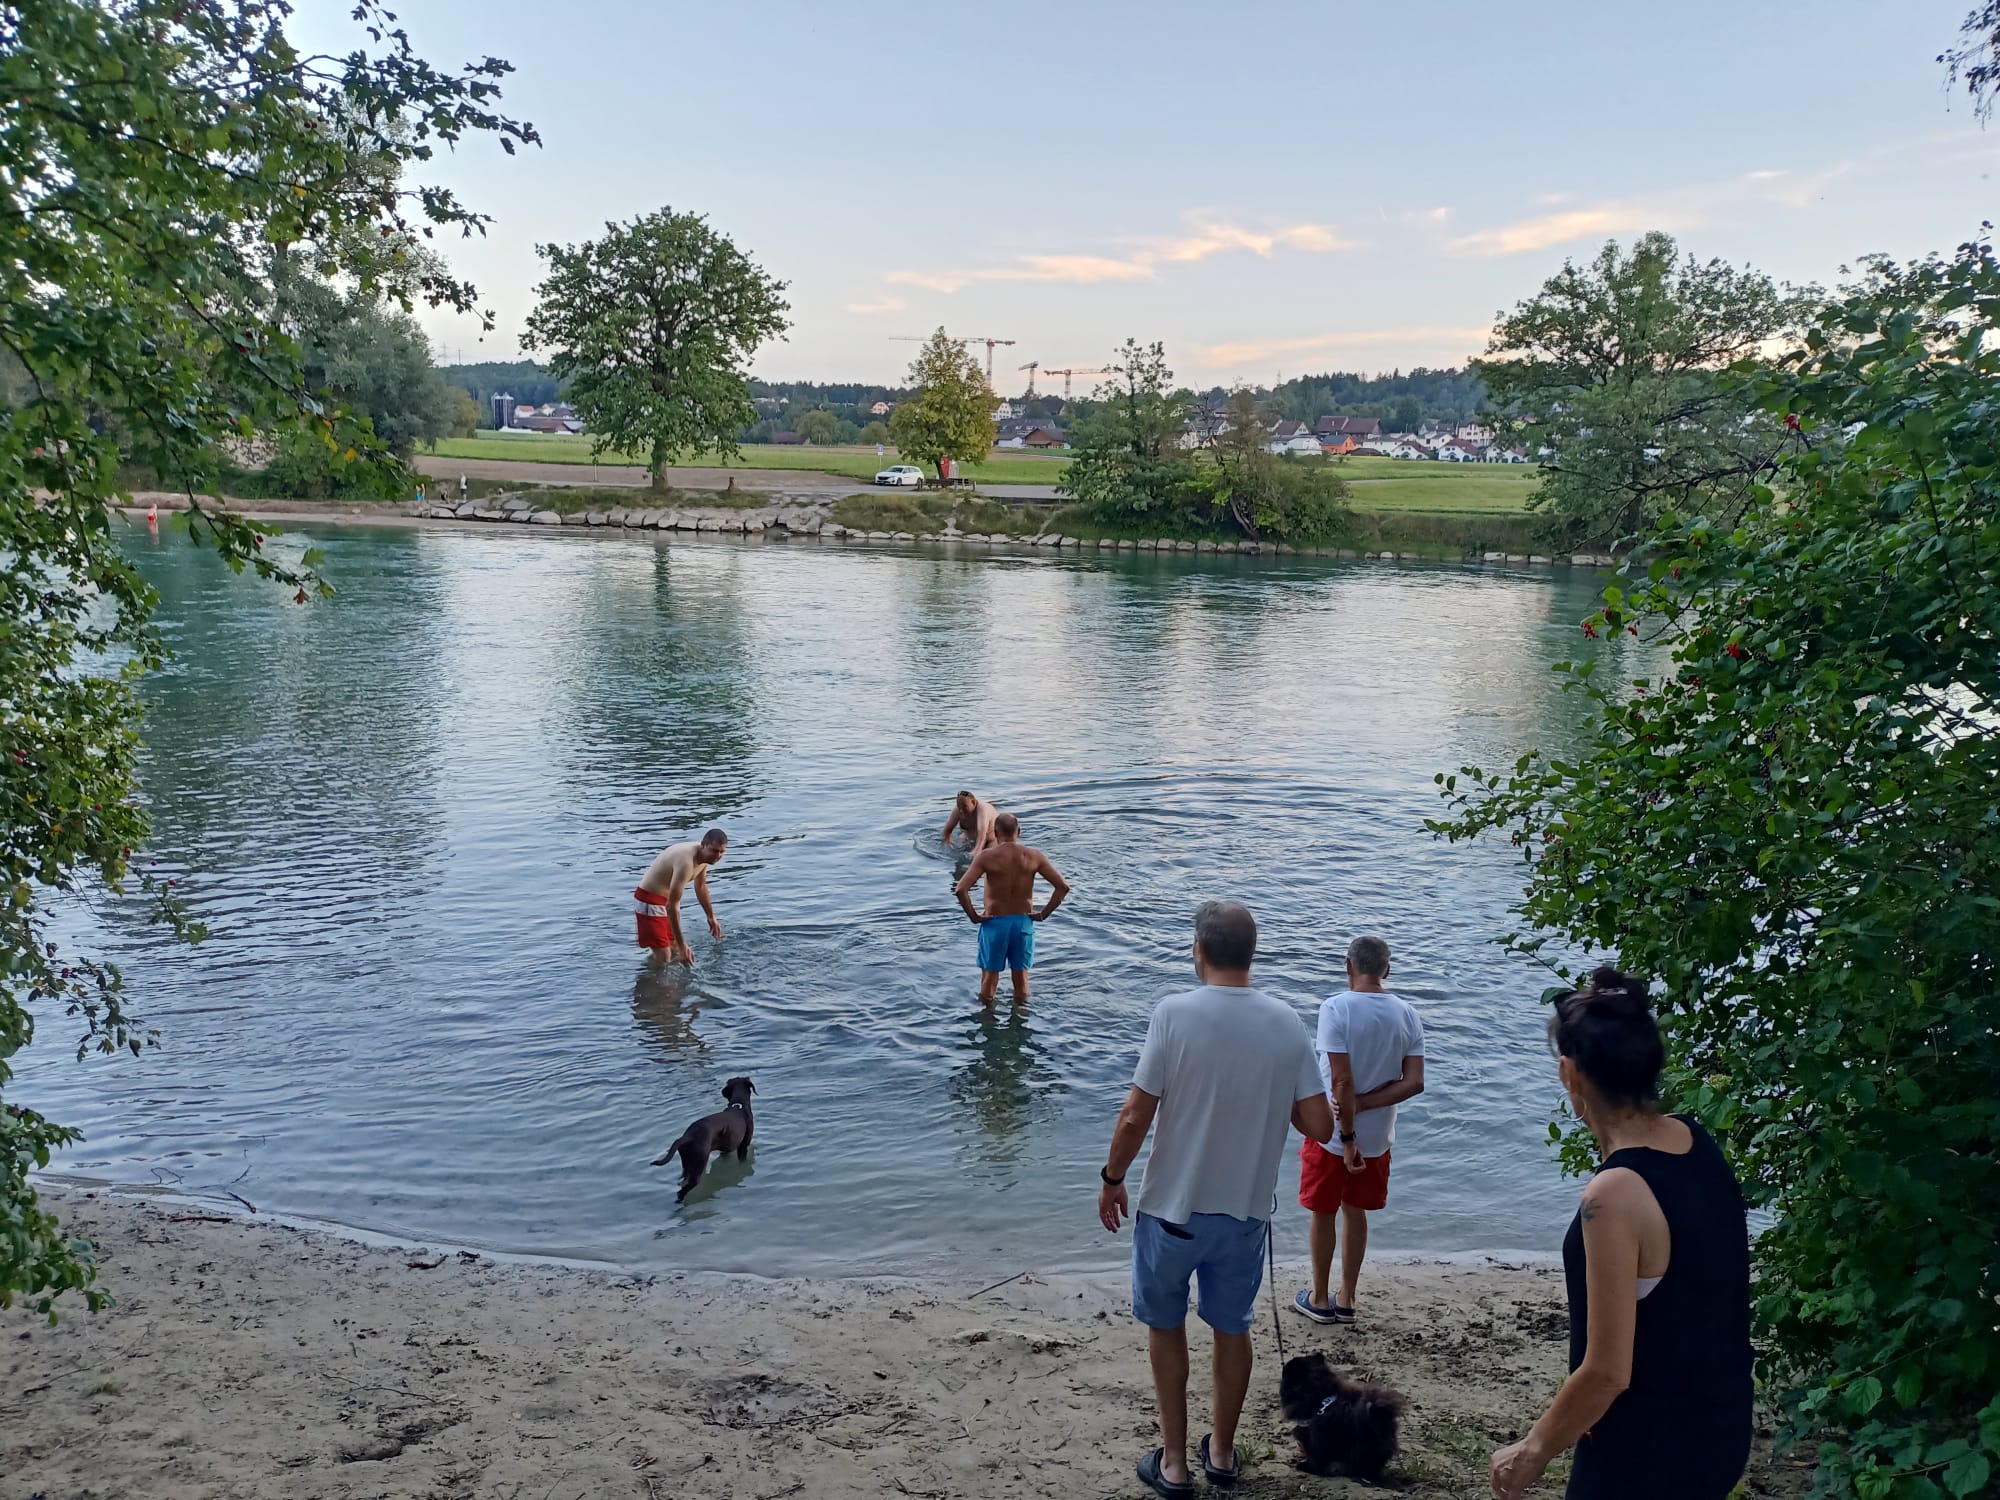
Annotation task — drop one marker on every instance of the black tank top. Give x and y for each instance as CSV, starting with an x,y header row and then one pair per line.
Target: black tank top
x,y
1682,1430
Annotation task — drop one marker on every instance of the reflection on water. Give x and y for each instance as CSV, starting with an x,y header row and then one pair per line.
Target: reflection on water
x,y
413,818
1003,1084
665,1008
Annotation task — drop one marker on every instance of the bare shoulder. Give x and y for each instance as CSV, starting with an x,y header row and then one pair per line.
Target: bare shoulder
x,y
1615,1190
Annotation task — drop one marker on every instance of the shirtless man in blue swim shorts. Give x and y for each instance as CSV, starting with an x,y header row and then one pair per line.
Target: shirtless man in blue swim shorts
x,y
1007,930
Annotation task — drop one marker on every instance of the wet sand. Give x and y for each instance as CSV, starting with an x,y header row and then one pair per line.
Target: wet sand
x,y
249,1359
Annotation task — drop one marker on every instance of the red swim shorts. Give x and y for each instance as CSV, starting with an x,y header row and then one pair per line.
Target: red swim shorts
x,y
656,925
1325,1183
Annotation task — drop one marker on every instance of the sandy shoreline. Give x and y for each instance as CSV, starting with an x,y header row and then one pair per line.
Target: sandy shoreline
x,y
246,1359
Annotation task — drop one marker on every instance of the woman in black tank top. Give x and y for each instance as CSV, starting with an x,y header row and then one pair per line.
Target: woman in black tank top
x,y
1658,1402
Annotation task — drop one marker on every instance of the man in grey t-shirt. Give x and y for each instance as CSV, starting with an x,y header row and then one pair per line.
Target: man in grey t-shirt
x,y
1224,1071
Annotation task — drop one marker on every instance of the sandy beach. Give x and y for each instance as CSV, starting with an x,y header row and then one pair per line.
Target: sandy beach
x,y
249,1359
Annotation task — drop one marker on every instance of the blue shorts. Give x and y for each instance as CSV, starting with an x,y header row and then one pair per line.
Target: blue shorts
x,y
1224,1255
1006,943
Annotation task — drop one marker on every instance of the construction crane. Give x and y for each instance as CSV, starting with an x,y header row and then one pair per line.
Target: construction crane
x,y
1031,366
977,338
1067,373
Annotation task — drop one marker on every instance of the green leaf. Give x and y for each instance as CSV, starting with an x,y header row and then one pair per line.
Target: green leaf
x,y
1967,1474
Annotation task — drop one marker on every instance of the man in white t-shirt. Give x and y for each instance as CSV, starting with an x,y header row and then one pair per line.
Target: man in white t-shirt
x,y
1225,1070
1371,1058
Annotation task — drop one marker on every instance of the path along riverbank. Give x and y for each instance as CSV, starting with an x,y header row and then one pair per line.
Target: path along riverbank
x,y
249,1359
786,518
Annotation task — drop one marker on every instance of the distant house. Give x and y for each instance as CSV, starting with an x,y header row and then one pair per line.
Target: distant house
x,y
1292,437
880,409
1475,432
1361,429
1411,448
1006,411
557,416
790,439
1019,434
1463,451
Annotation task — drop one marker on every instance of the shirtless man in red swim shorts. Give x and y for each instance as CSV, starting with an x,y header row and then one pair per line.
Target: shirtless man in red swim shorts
x,y
660,891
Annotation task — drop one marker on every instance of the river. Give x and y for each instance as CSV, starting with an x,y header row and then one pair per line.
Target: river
x,y
413,817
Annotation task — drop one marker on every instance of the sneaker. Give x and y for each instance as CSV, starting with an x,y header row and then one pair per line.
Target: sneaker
x,y
1306,1307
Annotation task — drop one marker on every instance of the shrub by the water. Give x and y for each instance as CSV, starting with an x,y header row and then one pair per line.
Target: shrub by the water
x,y
1797,830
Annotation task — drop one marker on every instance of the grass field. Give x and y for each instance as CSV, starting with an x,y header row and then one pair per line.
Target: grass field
x,y
1377,484
855,463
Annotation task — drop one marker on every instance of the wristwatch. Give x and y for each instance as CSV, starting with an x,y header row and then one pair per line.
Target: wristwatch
x,y
1346,1137
1109,1180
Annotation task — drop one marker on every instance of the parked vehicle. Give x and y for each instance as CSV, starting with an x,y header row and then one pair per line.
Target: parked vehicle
x,y
908,474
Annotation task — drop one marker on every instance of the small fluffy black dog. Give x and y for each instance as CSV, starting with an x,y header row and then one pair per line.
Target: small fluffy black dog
x,y
1343,1428
726,1130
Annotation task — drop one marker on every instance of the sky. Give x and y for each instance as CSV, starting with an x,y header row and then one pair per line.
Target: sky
x,y
1271,189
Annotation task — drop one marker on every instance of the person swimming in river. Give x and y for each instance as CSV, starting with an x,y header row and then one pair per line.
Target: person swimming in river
x,y
659,895
1007,929
973,815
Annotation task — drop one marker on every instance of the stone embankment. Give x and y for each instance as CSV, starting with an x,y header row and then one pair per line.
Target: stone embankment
x,y
811,521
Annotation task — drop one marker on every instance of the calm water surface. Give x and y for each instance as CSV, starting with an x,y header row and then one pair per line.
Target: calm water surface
x,y
413,818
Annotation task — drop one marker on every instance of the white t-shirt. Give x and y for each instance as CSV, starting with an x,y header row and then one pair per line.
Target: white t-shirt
x,y
1226,1065
1376,1031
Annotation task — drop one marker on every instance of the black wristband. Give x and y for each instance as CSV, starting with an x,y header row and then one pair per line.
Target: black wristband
x,y
1109,1180
1347,1138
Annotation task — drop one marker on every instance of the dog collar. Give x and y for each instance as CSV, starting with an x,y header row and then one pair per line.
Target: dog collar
x,y
734,1105
1329,1403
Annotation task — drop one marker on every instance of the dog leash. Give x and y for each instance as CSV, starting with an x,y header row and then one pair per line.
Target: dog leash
x,y
1271,1245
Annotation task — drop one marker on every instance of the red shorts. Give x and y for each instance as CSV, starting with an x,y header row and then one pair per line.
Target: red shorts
x,y
1325,1183
656,926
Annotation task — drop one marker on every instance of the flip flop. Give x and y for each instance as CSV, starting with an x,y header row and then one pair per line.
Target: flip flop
x,y
1154,1480
1222,1479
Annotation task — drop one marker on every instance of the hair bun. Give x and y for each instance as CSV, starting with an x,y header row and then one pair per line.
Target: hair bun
x,y
1616,986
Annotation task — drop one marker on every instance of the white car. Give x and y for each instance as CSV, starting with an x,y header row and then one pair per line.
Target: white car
x,y
908,474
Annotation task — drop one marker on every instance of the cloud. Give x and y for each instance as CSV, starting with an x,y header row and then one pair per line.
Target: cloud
x,y
1673,208
1257,351
881,305
1558,229
1142,264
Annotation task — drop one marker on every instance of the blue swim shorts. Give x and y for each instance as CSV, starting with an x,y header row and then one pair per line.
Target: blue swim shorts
x,y
1006,943
1223,1255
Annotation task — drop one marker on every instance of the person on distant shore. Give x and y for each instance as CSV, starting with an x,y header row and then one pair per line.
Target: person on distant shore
x,y
1371,1057
659,896
1225,1069
973,816
1007,929
1658,1404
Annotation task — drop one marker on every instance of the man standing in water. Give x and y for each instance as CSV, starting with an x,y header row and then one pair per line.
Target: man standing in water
x,y
1007,930
660,891
975,816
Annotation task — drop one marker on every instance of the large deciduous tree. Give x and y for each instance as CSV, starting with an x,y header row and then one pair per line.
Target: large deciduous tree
x,y
951,414
1615,374
651,329
1795,827
157,159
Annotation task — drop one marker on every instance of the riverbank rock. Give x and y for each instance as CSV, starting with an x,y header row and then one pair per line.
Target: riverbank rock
x,y
545,518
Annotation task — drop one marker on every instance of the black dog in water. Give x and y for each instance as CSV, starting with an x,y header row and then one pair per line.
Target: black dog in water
x,y
725,1130
1343,1428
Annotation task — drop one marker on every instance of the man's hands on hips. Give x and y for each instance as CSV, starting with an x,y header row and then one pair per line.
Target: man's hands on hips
x,y
1113,1206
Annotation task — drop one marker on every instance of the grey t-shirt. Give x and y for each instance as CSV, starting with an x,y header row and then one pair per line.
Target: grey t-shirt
x,y
1226,1065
